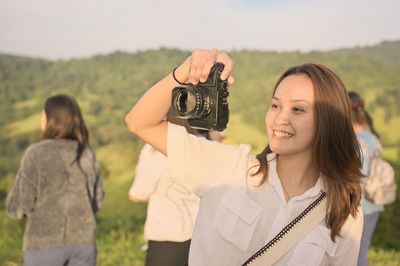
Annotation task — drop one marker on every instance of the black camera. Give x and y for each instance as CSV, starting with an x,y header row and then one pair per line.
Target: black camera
x,y
204,105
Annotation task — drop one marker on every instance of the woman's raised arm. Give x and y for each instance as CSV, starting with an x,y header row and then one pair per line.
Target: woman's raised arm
x,y
146,117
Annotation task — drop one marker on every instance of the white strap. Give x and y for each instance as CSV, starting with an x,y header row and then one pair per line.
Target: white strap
x,y
300,230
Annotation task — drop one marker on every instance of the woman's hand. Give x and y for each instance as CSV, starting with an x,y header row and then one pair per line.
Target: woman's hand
x,y
146,117
197,67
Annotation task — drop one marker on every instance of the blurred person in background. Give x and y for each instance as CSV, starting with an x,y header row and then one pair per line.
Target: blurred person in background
x,y
58,187
172,208
369,139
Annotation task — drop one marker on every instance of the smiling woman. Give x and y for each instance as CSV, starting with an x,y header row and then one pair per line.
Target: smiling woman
x,y
246,200
309,119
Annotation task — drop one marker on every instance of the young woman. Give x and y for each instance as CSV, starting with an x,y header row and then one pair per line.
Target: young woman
x,y
58,187
246,200
368,138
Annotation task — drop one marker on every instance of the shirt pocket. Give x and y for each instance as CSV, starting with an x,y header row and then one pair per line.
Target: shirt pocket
x,y
236,218
313,248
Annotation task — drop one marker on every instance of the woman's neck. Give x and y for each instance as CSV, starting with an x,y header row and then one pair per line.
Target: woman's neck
x,y
297,174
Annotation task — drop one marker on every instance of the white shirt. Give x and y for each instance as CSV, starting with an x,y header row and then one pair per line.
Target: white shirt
x,y
172,207
236,218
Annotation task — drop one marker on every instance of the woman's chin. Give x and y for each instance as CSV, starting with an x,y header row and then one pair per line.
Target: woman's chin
x,y
276,150
280,150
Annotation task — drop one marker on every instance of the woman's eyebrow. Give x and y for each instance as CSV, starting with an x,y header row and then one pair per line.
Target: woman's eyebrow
x,y
295,100
301,100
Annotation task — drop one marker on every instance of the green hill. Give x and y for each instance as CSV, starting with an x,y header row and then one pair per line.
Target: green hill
x,y
107,86
387,51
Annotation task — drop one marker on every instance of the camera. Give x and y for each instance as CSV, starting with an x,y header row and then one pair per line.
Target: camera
x,y
205,105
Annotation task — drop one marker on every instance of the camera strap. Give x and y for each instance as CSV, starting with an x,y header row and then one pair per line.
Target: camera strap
x,y
173,75
290,234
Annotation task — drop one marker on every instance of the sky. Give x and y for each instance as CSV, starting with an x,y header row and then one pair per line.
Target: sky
x,y
67,29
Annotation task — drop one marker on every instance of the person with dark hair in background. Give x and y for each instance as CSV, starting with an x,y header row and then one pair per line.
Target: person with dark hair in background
x,y
245,201
58,188
172,208
369,140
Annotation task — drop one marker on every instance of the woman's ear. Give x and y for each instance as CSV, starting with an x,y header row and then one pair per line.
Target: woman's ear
x,y
43,121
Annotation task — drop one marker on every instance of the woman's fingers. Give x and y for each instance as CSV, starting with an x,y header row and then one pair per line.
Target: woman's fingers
x,y
231,80
194,64
201,62
212,57
228,66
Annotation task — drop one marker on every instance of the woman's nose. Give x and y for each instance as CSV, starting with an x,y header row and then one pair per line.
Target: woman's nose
x,y
282,118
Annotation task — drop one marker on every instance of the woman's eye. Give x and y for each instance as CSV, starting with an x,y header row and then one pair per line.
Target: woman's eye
x,y
297,109
273,106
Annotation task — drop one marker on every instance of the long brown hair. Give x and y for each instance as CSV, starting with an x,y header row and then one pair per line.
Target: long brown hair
x,y
65,121
359,114
336,151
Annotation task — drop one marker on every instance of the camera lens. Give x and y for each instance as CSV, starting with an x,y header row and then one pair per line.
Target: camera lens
x,y
192,102
182,102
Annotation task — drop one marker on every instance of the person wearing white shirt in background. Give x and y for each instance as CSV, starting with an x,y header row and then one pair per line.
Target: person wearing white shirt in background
x,y
171,210
245,200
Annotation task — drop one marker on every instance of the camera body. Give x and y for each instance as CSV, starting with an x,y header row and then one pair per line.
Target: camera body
x,y
204,105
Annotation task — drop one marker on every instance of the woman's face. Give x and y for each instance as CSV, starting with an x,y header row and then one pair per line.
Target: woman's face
x,y
43,121
290,118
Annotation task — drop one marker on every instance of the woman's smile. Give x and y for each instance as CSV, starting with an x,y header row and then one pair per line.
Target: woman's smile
x,y
283,134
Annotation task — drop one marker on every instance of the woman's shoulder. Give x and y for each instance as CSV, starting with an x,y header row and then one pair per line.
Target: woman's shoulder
x,y
55,144
151,156
353,225
88,159
367,136
88,152
38,147
148,149
369,139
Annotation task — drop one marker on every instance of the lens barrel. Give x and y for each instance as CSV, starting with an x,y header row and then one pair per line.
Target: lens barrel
x,y
192,102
